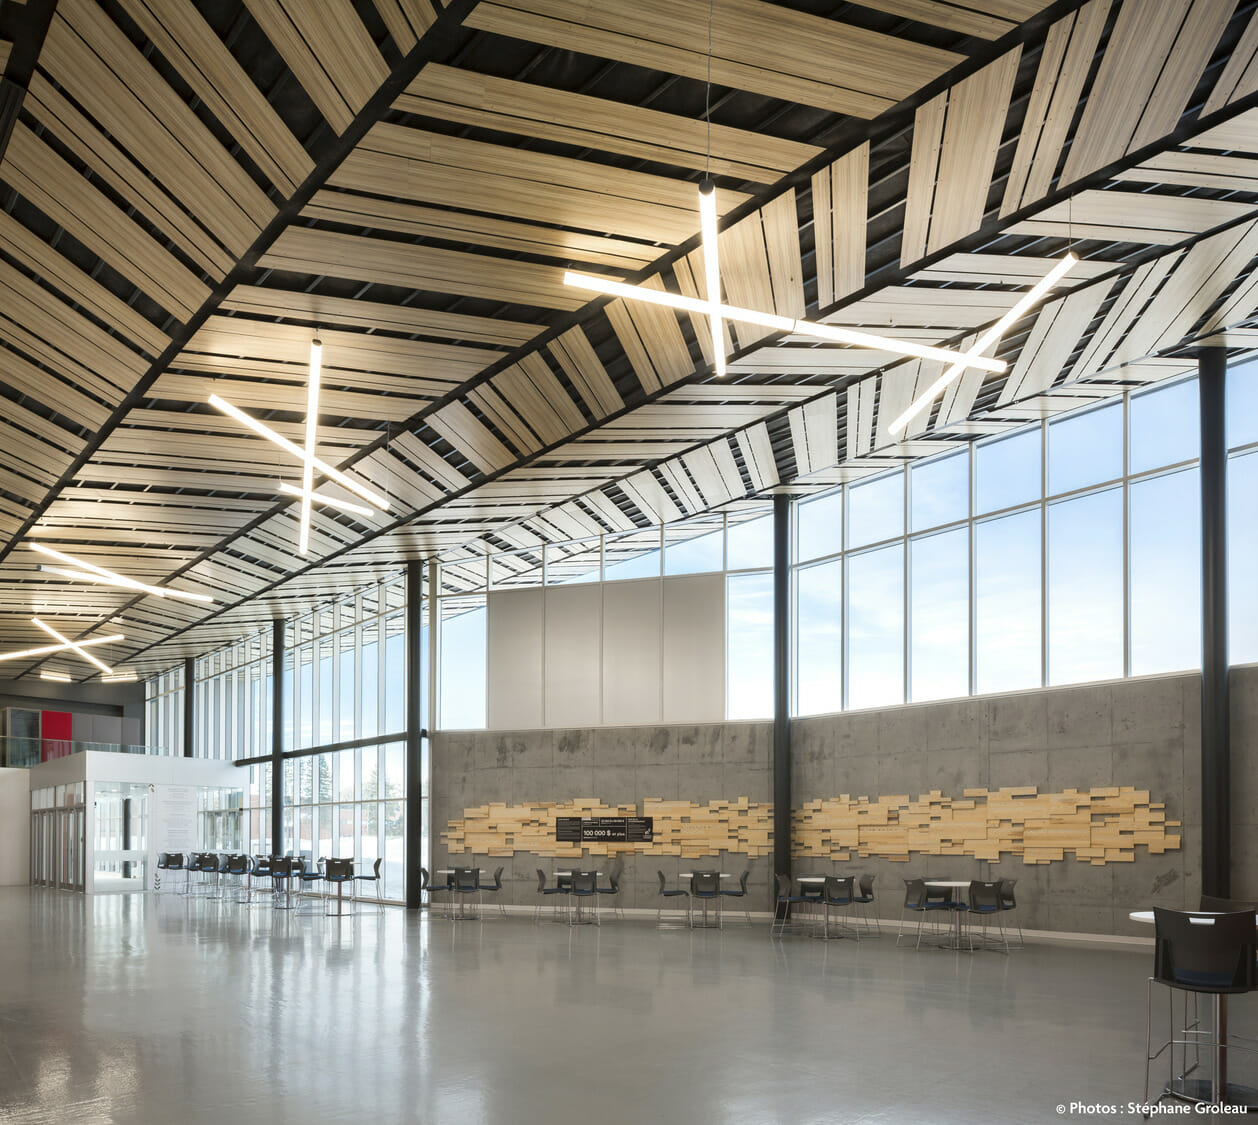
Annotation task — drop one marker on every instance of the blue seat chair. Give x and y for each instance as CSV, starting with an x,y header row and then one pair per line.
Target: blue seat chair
x,y
555,893
584,889
362,882
1009,901
613,884
495,889
666,893
837,893
984,905
865,897
917,900
465,884
337,873
785,904
705,889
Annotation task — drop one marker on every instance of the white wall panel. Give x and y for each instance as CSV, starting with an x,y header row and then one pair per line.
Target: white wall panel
x,y
574,621
515,659
693,649
631,651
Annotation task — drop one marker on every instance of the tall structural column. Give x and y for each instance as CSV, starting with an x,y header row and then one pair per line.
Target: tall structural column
x,y
414,729
277,737
1216,851
781,688
189,704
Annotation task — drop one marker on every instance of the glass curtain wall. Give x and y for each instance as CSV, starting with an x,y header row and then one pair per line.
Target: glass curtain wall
x,y
163,713
1063,552
231,704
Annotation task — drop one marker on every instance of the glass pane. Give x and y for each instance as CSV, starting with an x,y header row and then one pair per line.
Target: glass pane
x,y
394,676
1007,603
395,769
819,638
463,663
1085,449
570,563
1007,472
635,555
1242,404
519,568
875,510
819,526
939,490
393,870
369,779
325,693
875,627
1166,573
749,646
749,544
345,717
369,700
696,547
1085,588
1164,426
1242,549
939,615
345,776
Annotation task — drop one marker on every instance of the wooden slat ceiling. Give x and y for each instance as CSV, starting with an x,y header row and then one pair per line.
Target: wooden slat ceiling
x,y
190,189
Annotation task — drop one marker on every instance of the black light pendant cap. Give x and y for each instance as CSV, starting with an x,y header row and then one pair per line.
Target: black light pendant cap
x,y
707,185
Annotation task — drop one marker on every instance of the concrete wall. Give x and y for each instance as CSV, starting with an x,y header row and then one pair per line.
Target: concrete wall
x,y
1142,732
616,764
15,828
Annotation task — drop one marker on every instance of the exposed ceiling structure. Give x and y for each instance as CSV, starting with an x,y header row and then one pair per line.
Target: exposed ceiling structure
x,y
188,190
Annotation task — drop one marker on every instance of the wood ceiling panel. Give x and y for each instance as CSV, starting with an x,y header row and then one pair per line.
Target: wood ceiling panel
x,y
69,200
1240,75
584,121
352,209
755,46
1124,216
989,20
1197,169
840,210
433,168
303,250
955,139
329,50
96,64
407,20
205,63
585,371
374,315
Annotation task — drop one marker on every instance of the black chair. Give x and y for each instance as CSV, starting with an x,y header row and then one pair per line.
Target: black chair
x,y
705,887
864,898
236,869
259,868
546,892
917,900
308,874
1199,954
1009,901
338,872
784,905
613,883
283,870
741,893
465,883
374,880
984,903
495,888
205,864
584,888
169,861
665,893
836,891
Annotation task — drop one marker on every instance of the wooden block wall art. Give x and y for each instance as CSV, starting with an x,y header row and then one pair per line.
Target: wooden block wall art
x,y
686,829
1102,825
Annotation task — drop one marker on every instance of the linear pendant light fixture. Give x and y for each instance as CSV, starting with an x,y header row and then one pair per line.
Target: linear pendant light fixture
x,y
44,650
994,333
306,455
77,648
90,572
829,332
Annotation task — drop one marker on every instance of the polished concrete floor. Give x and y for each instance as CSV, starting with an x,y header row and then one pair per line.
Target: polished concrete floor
x,y
126,1009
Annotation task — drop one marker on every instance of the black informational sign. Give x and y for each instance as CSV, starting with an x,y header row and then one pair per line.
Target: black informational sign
x,y
626,829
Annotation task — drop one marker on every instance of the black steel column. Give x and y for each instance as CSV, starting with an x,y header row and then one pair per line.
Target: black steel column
x,y
781,688
126,835
414,717
189,704
1216,850
277,737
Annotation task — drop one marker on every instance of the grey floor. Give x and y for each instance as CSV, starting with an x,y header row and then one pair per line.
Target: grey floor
x,y
127,1009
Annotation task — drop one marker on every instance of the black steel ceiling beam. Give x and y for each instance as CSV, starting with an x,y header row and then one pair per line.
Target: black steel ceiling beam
x,y
26,31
